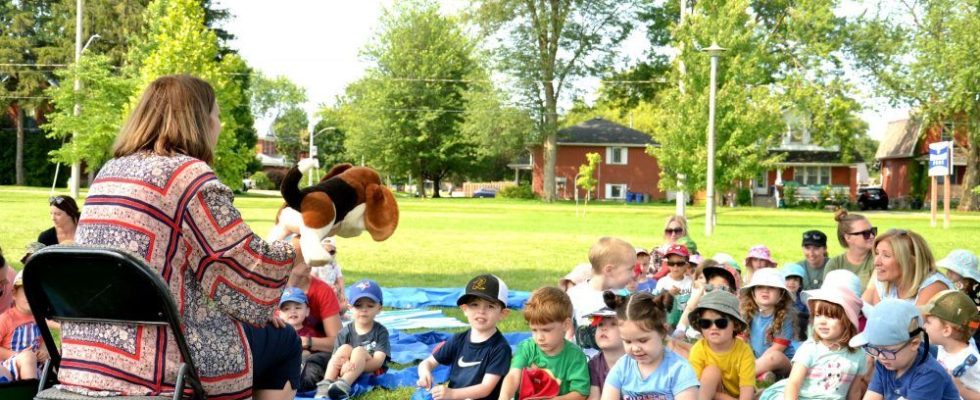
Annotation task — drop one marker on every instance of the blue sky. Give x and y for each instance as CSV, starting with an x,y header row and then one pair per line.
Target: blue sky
x,y
316,44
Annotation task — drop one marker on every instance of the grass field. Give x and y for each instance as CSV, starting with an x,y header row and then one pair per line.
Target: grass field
x,y
444,242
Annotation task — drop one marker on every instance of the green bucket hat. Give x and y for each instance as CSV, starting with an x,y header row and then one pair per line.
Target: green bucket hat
x,y
689,243
720,301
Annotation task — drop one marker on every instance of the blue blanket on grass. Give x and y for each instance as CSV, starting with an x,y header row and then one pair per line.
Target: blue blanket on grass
x,y
410,297
407,348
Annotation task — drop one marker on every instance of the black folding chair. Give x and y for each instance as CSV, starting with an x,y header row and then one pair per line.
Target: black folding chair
x,y
101,285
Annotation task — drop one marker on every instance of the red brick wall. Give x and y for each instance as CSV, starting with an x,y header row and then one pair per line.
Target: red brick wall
x,y
895,177
641,174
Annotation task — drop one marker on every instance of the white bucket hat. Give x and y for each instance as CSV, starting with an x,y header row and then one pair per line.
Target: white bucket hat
x,y
766,277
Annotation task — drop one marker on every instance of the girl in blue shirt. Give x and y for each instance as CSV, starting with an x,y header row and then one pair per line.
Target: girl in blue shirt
x,y
768,306
649,370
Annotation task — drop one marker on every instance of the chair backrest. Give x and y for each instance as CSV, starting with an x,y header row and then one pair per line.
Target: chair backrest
x,y
97,284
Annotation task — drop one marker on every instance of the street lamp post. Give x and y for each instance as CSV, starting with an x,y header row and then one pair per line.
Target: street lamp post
x,y
709,218
313,149
76,165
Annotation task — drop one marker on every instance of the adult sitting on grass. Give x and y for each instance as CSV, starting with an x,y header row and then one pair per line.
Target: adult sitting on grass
x,y
7,275
905,269
854,233
64,215
160,200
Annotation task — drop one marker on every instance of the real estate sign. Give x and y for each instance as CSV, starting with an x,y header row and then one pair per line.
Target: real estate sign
x,y
941,158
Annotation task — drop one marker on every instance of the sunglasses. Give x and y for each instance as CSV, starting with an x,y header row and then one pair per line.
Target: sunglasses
x,y
675,263
675,231
711,288
815,237
705,323
55,200
889,354
866,234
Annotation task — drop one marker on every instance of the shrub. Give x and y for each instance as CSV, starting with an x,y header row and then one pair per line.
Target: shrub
x,y
743,197
789,194
522,191
262,181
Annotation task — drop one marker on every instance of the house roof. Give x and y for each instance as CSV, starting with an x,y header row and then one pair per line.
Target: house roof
x,y
816,157
899,139
601,131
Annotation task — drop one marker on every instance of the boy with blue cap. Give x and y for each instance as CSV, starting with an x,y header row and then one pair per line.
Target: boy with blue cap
x,y
362,345
903,367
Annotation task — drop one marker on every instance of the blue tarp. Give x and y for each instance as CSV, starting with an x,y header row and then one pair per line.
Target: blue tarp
x,y
407,348
410,297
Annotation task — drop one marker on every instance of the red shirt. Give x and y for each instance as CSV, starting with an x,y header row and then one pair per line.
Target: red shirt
x,y
12,321
323,304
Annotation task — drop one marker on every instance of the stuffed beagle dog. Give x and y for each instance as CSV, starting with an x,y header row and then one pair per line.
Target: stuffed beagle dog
x,y
346,202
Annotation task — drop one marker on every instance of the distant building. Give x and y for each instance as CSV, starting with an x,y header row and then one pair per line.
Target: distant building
x,y
626,166
905,147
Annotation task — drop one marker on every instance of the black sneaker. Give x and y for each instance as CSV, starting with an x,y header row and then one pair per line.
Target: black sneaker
x,y
339,390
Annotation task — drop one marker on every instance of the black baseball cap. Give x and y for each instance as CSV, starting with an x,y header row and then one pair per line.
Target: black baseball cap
x,y
488,287
814,238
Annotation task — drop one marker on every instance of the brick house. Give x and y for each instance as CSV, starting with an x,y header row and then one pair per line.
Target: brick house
x,y
904,149
625,167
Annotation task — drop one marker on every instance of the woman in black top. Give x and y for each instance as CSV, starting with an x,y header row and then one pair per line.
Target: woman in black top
x,y
64,214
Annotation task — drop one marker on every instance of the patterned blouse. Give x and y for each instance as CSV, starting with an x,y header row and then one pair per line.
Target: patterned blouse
x,y
175,214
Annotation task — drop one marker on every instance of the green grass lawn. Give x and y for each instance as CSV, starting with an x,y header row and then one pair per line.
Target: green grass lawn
x,y
445,242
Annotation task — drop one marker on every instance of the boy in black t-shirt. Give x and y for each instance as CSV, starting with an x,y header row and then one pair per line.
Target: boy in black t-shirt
x,y
361,346
479,357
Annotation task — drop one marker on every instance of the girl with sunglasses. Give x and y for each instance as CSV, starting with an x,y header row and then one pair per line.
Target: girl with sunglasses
x,y
825,366
725,365
857,236
649,370
678,283
710,276
904,269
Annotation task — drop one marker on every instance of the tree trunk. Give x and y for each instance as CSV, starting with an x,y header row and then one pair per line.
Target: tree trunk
x,y
19,153
550,150
435,188
969,201
420,188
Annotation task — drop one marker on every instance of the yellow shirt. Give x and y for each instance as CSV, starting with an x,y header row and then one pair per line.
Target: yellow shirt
x,y
737,365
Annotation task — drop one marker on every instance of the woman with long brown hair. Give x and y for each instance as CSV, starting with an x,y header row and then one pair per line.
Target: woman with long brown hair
x,y
159,199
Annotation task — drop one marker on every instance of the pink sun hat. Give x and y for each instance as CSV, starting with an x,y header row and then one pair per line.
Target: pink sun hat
x,y
761,252
840,296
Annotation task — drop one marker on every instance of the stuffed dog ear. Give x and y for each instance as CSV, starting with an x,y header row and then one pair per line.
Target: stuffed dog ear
x,y
337,170
381,212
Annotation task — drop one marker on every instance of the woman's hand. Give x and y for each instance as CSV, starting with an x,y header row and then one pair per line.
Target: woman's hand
x,y
278,322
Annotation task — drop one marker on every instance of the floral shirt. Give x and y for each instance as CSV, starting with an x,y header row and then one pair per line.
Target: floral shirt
x,y
174,213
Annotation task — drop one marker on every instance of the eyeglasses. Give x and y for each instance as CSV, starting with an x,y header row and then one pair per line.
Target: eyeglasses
x,y
55,200
705,323
675,231
890,354
866,234
675,263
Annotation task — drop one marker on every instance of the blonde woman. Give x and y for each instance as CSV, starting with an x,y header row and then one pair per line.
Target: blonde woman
x,y
159,199
904,269
674,230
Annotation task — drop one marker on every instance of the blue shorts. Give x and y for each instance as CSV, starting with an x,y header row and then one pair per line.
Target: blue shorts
x,y
276,356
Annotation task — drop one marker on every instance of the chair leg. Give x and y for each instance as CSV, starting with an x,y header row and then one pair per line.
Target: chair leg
x,y
179,387
44,376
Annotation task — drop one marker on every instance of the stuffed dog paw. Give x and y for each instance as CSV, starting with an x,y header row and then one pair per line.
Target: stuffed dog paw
x,y
346,202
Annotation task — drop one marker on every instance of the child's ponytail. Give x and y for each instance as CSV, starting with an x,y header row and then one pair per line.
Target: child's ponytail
x,y
643,308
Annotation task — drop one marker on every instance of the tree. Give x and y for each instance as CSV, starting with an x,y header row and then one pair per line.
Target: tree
x,y
290,129
586,174
103,95
28,40
271,97
783,60
499,132
549,44
177,41
924,55
405,115
329,138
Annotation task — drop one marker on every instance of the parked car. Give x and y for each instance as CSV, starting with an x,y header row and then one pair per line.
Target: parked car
x,y
871,198
485,192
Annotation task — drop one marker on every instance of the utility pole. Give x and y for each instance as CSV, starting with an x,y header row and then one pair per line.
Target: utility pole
x,y
76,165
709,217
681,197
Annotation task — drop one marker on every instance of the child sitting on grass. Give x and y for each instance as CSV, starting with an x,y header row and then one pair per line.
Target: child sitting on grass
x,y
557,366
478,357
649,370
951,317
724,364
610,346
768,308
362,346
825,367
20,338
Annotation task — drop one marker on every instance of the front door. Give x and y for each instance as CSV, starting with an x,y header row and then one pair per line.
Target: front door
x,y
761,184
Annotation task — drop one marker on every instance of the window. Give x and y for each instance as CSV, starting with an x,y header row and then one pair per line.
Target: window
x,y
947,134
812,175
616,155
615,191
